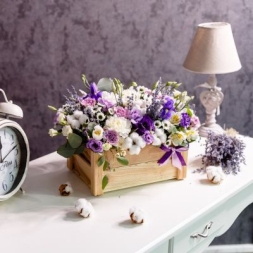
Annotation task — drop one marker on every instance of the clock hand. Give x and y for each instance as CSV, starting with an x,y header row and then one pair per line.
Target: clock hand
x,y
9,152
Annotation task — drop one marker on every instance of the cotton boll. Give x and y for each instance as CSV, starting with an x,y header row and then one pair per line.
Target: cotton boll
x,y
137,215
163,138
141,143
83,119
134,150
128,142
159,132
75,123
70,118
157,141
215,174
65,189
84,207
78,114
134,136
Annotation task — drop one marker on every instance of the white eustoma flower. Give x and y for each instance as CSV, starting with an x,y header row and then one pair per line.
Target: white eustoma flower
x,y
121,125
98,132
52,132
84,207
175,118
192,135
61,118
178,138
66,130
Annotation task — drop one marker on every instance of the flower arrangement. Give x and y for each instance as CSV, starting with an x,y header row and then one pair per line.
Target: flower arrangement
x,y
111,117
224,150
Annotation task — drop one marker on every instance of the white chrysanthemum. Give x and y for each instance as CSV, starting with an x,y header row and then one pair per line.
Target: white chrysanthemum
x,y
128,142
52,132
178,138
175,118
75,123
100,116
121,125
78,114
137,215
66,130
157,123
134,150
157,141
84,119
84,207
215,174
98,132
191,135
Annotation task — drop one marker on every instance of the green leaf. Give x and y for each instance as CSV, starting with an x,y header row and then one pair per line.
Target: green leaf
x,y
105,84
74,140
100,160
52,108
80,149
104,182
106,164
122,160
189,111
66,150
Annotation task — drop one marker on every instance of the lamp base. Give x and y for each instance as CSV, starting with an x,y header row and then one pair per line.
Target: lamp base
x,y
204,130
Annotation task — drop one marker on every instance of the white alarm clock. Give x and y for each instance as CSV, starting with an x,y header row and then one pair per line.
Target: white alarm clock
x,y
14,150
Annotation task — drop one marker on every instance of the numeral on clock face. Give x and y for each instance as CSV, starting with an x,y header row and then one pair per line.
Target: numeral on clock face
x,y
9,158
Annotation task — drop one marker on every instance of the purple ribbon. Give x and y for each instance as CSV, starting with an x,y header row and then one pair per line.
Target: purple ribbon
x,y
177,159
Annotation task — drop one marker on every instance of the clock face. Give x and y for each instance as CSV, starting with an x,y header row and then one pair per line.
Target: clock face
x,y
11,153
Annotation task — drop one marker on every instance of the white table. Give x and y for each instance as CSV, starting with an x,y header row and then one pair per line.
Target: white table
x,y
42,221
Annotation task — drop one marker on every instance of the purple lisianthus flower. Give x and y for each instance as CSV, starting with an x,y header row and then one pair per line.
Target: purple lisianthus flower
x,y
135,115
94,92
148,137
112,137
165,113
95,145
185,120
145,124
169,104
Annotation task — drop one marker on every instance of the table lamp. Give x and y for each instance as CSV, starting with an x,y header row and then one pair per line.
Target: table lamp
x,y
212,52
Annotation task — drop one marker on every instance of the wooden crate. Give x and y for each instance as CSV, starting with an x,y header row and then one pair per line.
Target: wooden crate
x,y
142,169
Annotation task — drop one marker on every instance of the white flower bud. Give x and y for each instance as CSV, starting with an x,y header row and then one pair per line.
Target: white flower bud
x,y
52,132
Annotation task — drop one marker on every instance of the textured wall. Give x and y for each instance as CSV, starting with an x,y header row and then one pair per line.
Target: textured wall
x,y
46,45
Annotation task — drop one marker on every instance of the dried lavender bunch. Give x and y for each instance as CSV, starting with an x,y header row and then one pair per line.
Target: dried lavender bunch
x,y
224,150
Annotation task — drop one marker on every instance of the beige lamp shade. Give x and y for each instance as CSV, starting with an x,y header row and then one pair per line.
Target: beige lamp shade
x,y
213,50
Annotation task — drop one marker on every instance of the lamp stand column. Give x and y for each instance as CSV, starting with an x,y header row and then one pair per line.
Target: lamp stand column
x,y
211,99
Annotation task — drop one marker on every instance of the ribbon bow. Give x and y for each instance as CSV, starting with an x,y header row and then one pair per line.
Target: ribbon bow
x,y
177,159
